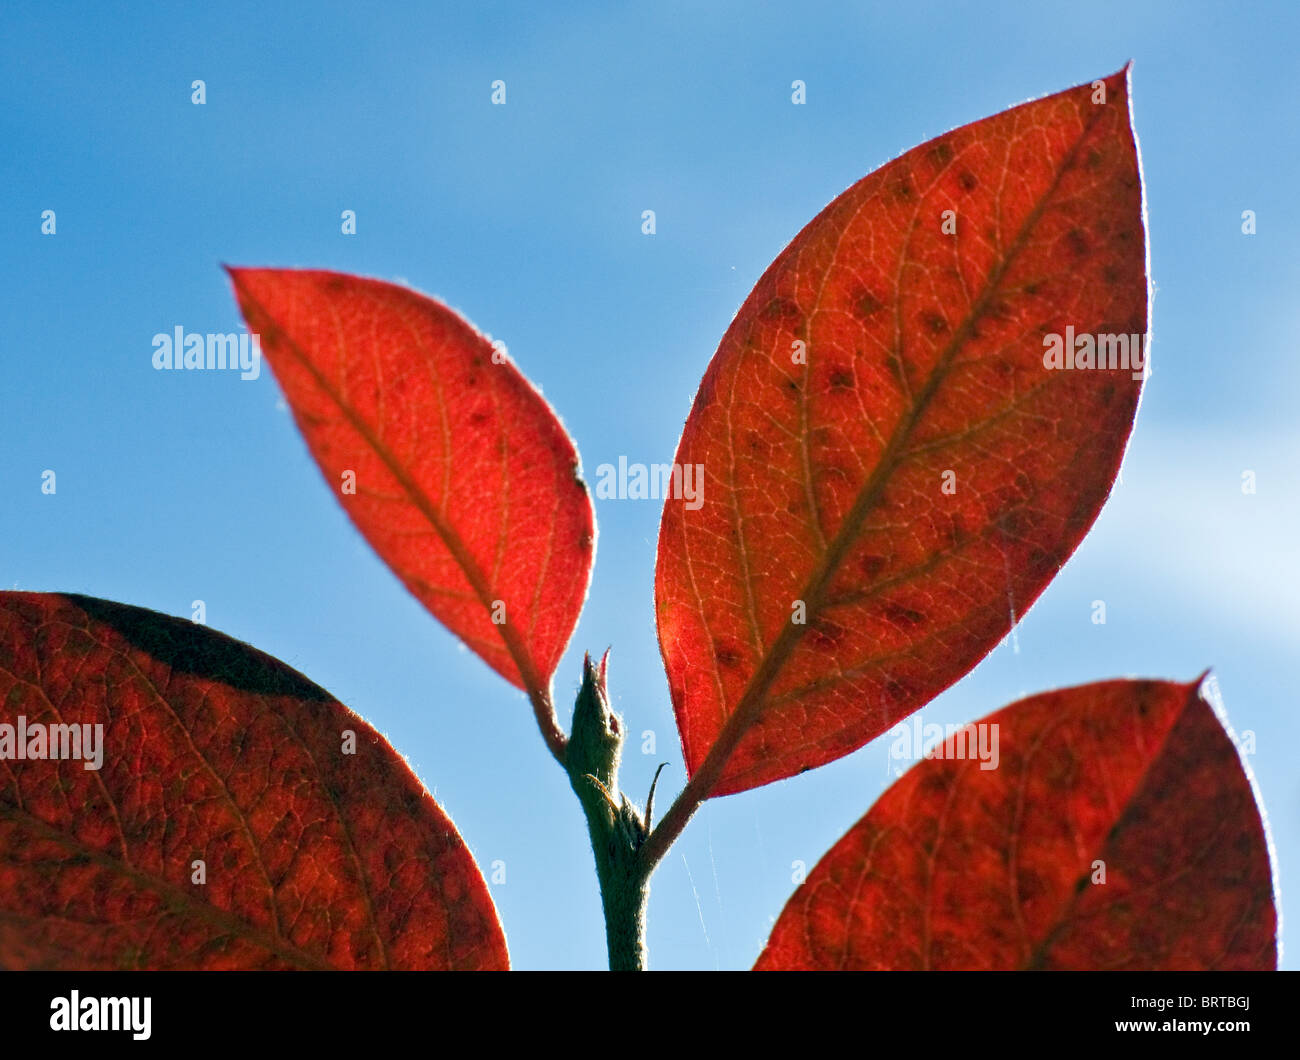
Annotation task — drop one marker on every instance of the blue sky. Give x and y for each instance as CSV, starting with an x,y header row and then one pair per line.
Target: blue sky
x,y
181,486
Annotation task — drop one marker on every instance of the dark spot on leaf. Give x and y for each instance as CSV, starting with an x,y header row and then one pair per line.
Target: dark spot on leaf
x,y
1029,885
1018,523
704,398
999,309
1062,768
941,152
895,362
727,653
934,322
903,616
1078,241
825,634
935,780
872,565
867,303
967,180
782,309
841,379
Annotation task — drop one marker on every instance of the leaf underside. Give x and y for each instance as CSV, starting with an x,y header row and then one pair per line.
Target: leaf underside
x,y
214,752
885,454
1118,831
466,483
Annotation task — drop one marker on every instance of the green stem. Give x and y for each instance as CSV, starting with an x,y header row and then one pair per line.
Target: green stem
x,y
617,831
624,900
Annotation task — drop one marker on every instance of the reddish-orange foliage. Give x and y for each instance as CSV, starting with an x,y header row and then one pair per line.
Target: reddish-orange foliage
x,y
466,483
892,474
212,752
1118,831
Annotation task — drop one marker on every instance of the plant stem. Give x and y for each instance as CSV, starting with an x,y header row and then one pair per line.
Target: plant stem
x,y
548,723
674,821
625,906
616,828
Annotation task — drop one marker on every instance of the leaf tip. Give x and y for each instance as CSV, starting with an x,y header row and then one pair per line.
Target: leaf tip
x,y
1121,78
236,274
1203,685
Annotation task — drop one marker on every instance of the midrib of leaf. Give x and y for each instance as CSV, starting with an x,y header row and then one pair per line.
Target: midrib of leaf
x,y
1061,921
174,896
754,699
417,496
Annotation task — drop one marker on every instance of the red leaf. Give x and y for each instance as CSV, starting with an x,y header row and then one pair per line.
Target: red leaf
x,y
959,867
825,480
466,482
212,751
